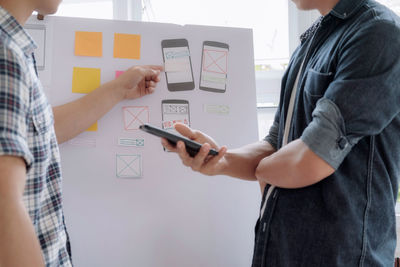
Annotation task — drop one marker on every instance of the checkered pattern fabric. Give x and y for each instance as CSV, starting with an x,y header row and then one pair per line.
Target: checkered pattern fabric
x,y
26,131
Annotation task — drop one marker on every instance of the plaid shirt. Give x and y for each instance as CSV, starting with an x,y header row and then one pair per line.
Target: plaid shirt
x,y
26,131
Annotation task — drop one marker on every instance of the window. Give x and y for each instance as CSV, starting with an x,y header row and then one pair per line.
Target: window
x,y
269,21
98,9
395,6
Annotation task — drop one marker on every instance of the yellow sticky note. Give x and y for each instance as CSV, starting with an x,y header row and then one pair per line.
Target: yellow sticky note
x,y
85,80
89,44
127,46
92,128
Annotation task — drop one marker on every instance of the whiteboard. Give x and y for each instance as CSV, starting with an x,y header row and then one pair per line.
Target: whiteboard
x,y
169,216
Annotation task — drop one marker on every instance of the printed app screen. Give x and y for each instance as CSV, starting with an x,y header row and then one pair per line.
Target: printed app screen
x,y
174,113
179,57
214,68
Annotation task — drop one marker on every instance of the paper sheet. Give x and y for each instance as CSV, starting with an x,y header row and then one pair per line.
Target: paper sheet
x,y
127,46
129,166
118,73
135,116
93,127
89,44
85,80
176,65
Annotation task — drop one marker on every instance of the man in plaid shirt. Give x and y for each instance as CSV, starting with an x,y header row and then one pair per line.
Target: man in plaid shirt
x,y
32,228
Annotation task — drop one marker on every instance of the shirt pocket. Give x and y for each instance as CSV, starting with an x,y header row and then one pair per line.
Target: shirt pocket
x,y
315,86
43,122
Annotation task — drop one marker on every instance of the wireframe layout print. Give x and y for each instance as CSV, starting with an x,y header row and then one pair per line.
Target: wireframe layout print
x,y
215,61
177,63
129,166
214,69
134,116
174,111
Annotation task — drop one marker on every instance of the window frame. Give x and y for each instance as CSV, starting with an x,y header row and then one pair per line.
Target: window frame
x,y
127,10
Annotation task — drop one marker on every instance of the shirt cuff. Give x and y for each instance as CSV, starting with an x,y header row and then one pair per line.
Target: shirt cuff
x,y
14,145
272,136
326,134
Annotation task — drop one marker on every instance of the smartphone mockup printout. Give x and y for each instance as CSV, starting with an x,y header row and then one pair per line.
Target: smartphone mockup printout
x,y
174,111
214,67
178,64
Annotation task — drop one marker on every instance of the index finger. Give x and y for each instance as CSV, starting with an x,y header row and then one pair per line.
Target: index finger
x,y
155,67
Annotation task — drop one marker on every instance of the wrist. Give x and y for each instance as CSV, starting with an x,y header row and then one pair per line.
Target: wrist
x,y
116,91
223,166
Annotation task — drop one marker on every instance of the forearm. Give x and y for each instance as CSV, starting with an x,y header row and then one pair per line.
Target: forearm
x,y
242,162
75,117
293,166
19,245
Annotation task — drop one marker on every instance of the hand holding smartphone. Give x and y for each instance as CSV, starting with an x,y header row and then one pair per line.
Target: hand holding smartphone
x,y
192,147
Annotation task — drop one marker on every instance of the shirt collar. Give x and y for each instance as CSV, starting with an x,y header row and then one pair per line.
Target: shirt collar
x,y
346,8
10,26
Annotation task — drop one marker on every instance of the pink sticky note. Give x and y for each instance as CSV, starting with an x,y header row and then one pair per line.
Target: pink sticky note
x,y
117,73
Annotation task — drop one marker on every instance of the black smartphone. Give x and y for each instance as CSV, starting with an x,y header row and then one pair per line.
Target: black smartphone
x,y
214,67
178,64
192,147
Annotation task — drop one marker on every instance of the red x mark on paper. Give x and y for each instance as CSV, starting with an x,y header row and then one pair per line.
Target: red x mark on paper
x,y
135,116
215,61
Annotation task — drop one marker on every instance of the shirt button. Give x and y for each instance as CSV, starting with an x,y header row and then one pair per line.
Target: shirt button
x,y
342,143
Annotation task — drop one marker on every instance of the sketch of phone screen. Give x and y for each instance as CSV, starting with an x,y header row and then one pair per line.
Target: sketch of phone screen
x,y
174,111
214,67
178,64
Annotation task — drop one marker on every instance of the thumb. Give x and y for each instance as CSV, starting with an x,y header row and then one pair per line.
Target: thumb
x,y
185,130
150,73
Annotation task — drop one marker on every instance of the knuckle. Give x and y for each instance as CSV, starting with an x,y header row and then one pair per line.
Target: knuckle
x,y
185,161
195,168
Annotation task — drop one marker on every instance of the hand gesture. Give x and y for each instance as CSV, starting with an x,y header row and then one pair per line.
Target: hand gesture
x,y
202,162
138,81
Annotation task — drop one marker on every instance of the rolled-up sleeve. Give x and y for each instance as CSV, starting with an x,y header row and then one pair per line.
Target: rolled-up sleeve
x,y
364,96
326,135
14,107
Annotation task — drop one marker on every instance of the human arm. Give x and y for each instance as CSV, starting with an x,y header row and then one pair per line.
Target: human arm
x,y
293,166
361,101
19,245
240,163
75,117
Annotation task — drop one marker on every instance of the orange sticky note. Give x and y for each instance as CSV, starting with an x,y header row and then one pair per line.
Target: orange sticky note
x,y
85,80
92,128
127,46
89,44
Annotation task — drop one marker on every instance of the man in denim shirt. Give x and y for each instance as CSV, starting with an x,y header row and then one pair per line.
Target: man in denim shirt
x,y
330,164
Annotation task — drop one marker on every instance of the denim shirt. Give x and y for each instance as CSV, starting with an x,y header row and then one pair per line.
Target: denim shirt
x,y
347,112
